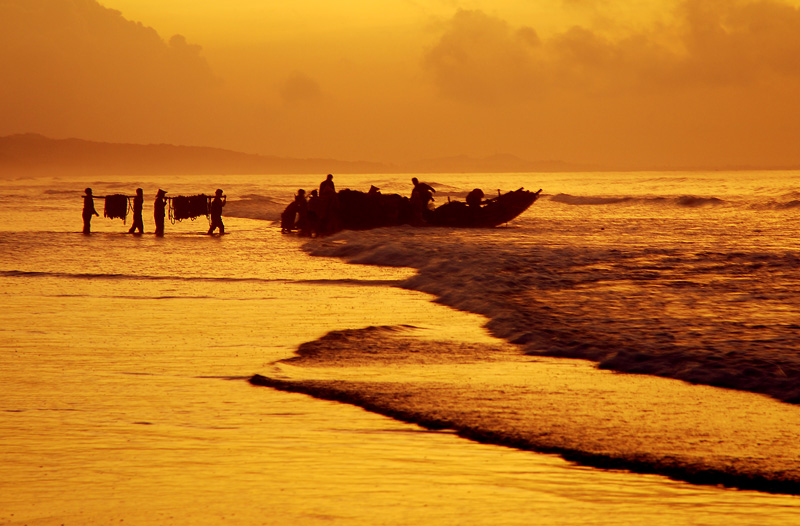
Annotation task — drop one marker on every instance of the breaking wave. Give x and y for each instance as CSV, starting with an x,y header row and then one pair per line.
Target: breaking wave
x,y
517,401
689,201
707,318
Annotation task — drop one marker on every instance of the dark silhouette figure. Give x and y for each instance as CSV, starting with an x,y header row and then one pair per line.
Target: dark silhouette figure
x,y
302,212
88,211
327,187
138,204
421,195
216,212
287,217
475,197
313,211
160,211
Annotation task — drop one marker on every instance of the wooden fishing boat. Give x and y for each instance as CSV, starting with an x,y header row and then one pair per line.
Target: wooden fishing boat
x,y
354,210
490,213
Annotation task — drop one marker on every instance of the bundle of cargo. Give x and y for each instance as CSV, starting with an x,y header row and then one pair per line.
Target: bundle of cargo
x,y
116,206
188,207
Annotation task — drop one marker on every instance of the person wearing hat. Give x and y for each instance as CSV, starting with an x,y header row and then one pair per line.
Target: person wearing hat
x,y
138,203
216,212
160,211
88,211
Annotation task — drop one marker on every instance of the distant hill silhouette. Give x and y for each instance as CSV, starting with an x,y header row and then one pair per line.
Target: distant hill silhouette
x,y
500,163
30,154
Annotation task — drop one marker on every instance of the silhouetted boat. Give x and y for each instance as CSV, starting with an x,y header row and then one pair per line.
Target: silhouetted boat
x,y
491,213
355,210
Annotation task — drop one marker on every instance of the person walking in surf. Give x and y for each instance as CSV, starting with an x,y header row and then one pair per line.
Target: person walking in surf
x,y
160,211
216,212
88,211
138,204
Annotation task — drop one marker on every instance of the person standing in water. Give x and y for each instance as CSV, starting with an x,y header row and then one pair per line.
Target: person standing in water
x,y
138,204
327,187
88,211
160,211
216,212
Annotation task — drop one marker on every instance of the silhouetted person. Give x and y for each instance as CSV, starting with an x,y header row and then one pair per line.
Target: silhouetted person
x,y
287,217
88,211
421,195
216,212
313,211
327,187
138,204
475,197
302,212
160,211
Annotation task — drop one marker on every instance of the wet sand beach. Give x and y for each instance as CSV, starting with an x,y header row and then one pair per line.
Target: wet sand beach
x,y
497,395
125,363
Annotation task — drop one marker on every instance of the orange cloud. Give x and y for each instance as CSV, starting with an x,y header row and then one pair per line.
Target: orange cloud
x,y
300,88
482,58
710,82
80,66
735,42
715,85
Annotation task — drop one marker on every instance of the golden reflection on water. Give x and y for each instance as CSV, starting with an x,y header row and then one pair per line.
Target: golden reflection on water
x,y
125,401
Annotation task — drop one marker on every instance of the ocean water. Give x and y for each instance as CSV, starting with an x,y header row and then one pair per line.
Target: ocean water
x,y
125,359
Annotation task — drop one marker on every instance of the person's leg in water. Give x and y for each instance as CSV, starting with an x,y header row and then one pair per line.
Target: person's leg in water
x,y
216,223
137,223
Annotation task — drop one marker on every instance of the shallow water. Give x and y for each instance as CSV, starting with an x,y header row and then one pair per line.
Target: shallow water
x,y
124,361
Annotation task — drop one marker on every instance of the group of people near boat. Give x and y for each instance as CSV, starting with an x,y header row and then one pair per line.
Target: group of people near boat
x,y
322,211
159,212
316,213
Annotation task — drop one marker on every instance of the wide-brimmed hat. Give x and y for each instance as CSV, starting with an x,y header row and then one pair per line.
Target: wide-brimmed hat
x,y
219,191
161,192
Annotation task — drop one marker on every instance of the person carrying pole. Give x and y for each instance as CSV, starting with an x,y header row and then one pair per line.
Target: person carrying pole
x,y
88,211
216,212
160,211
138,202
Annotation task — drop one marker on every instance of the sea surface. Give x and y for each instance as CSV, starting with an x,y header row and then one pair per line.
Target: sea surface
x,y
625,352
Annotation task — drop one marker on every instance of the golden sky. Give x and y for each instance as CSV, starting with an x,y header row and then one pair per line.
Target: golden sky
x,y
662,83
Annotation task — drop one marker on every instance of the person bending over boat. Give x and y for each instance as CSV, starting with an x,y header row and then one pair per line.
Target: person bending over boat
x,y
313,213
216,212
475,197
302,212
421,195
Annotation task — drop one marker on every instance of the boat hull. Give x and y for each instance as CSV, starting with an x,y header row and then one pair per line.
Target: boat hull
x,y
354,210
493,212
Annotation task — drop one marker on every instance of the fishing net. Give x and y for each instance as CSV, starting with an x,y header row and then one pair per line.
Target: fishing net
x,y
188,207
116,206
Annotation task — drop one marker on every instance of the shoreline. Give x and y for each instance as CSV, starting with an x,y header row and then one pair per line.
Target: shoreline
x,y
516,314
697,434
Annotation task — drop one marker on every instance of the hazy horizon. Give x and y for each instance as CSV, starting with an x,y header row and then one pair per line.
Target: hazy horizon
x,y
590,82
